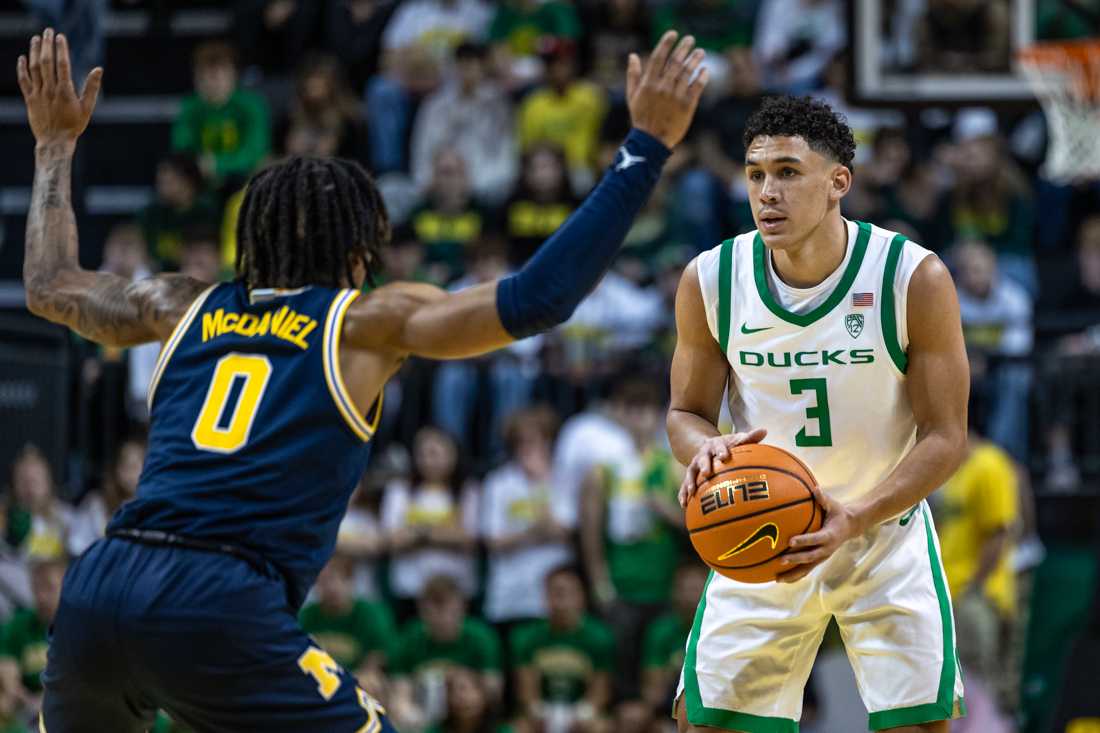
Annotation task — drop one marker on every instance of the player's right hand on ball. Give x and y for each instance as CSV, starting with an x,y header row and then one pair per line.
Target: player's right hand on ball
x,y
714,450
664,93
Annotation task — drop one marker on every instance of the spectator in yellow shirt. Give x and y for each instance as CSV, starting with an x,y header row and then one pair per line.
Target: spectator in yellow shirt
x,y
567,112
976,515
977,511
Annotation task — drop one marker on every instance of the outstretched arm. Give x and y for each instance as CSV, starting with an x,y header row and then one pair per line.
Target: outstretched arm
x,y
662,98
99,306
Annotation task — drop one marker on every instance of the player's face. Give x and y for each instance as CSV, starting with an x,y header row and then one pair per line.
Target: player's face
x,y
791,188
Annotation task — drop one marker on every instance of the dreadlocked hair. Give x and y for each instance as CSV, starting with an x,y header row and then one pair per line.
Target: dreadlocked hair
x,y
310,221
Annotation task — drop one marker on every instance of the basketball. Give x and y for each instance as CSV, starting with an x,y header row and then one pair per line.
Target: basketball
x,y
742,519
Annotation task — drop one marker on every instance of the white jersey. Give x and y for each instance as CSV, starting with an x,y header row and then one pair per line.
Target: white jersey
x,y
822,368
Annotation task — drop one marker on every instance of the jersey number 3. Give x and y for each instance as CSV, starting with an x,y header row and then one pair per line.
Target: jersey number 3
x,y
231,403
818,412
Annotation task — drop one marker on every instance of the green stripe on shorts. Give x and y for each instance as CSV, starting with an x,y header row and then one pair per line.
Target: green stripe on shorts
x,y
697,714
944,706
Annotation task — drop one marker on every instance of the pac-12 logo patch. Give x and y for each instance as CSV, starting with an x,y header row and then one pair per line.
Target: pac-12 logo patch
x,y
854,323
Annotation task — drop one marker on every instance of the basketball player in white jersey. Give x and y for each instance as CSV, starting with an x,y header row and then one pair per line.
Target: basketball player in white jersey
x,y
840,342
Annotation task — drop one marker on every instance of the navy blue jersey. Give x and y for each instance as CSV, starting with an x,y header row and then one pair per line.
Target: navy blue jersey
x,y
254,438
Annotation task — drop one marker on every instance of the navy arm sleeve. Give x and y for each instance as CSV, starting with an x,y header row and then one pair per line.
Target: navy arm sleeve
x,y
568,266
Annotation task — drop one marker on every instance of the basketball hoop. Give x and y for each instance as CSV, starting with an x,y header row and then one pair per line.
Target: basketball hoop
x,y
1065,76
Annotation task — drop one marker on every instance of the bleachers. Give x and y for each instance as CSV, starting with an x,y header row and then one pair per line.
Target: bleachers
x,y
135,114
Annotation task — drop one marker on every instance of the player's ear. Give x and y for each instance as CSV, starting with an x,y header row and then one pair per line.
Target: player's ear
x,y
840,182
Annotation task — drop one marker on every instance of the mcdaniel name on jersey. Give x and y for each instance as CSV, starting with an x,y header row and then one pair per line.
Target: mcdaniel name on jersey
x,y
284,323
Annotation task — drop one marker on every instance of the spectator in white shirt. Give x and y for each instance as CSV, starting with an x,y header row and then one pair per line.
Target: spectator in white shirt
x,y
997,324
119,486
471,116
586,440
524,538
418,40
431,520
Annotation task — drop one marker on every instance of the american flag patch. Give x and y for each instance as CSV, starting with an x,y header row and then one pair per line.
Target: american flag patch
x,y
863,300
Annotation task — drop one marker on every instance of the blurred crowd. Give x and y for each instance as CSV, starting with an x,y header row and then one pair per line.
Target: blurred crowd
x,y
515,558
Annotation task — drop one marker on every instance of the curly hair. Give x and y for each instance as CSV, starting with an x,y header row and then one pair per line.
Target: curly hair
x,y
823,129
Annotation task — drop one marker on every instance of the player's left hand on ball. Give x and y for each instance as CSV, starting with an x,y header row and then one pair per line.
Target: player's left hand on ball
x,y
810,550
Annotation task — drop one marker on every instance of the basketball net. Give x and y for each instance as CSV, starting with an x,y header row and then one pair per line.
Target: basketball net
x,y
1065,76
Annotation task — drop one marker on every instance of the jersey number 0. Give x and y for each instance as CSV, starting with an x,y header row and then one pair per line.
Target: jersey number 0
x,y
231,403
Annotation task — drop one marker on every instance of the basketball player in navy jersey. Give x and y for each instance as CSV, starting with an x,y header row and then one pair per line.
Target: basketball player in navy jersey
x,y
263,401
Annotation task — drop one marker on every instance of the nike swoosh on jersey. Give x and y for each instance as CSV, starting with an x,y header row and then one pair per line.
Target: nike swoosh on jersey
x,y
746,330
768,531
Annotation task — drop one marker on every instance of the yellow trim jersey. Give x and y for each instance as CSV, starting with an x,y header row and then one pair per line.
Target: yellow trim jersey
x,y
254,439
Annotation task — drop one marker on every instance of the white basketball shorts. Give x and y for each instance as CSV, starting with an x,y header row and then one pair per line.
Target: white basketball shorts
x,y
751,647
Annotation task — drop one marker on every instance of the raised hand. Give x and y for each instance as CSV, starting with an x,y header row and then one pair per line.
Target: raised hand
x,y
664,93
55,112
713,449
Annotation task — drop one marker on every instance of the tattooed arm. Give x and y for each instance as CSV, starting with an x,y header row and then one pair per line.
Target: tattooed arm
x,y
97,305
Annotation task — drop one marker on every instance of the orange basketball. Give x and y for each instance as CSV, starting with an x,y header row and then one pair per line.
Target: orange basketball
x,y
742,519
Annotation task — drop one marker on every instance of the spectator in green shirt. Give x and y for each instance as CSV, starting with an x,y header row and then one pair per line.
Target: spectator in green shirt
x,y
24,643
718,25
522,23
180,204
442,638
518,30
355,632
632,529
227,128
563,663
665,639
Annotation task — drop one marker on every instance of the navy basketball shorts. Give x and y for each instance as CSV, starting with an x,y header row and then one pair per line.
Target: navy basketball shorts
x,y
207,637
